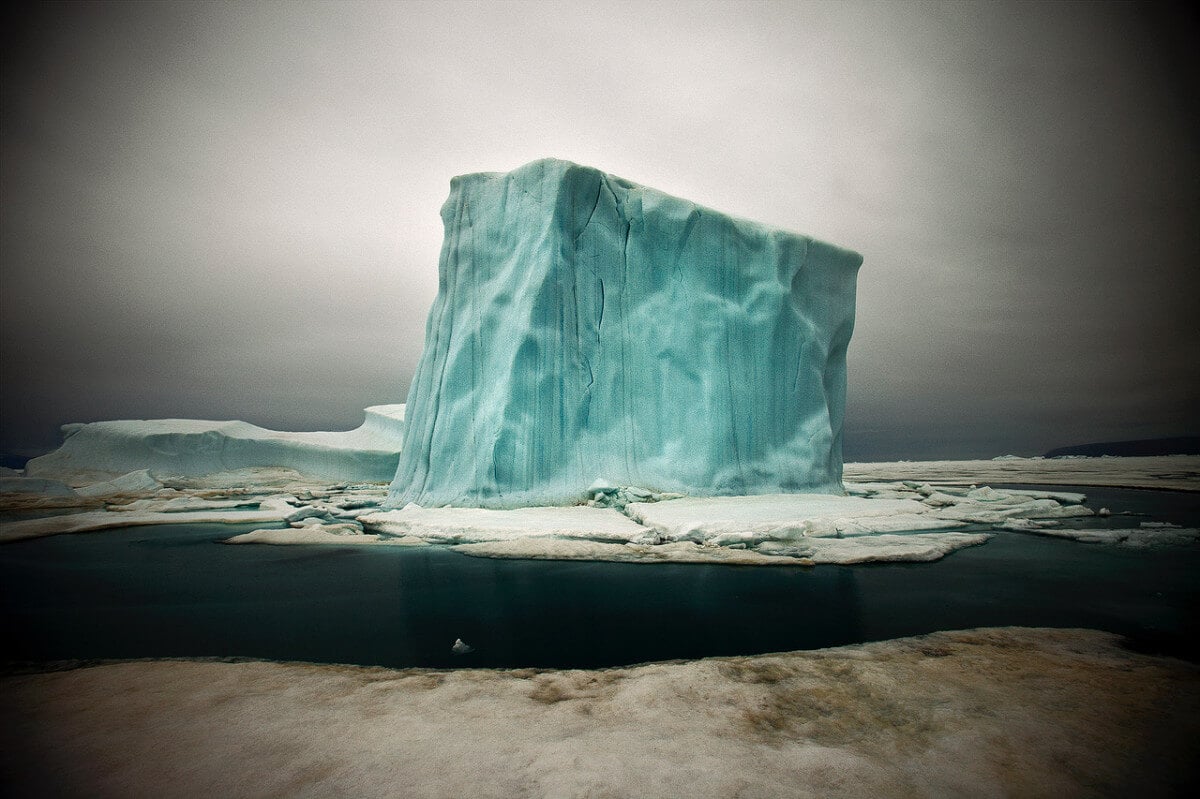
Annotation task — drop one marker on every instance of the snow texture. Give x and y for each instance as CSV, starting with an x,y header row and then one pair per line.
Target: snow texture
x,y
336,535
751,520
590,328
270,510
914,548
1136,537
875,521
1173,472
193,447
462,525
984,713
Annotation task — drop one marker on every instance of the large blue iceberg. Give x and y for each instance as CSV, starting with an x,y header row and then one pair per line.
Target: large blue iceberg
x,y
590,329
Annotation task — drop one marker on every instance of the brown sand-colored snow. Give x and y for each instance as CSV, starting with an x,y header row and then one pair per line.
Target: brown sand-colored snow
x,y
1169,472
998,712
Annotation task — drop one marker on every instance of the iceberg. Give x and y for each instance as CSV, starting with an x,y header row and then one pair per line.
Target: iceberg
x,y
99,451
587,328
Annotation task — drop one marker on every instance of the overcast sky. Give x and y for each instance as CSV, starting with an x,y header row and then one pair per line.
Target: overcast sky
x,y
231,210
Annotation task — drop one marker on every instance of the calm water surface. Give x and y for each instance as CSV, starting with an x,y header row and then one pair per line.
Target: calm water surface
x,y
174,591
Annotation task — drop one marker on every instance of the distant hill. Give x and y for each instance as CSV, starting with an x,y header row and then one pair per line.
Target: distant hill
x,y
1176,445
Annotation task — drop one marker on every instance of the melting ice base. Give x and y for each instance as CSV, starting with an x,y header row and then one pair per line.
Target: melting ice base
x,y
587,327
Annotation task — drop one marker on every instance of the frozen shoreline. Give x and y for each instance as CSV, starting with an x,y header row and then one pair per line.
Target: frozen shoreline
x,y
1006,711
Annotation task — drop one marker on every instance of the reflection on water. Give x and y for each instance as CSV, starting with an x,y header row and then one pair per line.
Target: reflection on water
x,y
173,591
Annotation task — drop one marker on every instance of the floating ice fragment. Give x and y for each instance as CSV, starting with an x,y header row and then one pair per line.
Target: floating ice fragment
x,y
460,647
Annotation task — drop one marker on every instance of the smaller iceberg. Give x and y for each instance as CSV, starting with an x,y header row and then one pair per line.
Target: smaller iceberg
x,y
461,647
100,451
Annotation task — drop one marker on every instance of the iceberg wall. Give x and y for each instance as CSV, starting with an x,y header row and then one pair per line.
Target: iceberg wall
x,y
587,328
194,447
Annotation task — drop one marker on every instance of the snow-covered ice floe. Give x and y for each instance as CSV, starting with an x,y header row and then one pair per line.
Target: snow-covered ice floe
x,y
1174,472
312,534
1148,534
919,548
874,522
463,525
270,510
723,521
783,529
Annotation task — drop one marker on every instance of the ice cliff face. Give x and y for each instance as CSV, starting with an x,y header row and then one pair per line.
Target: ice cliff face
x,y
190,447
590,328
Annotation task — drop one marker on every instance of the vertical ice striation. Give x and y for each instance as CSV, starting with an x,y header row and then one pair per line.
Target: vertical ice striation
x,y
590,328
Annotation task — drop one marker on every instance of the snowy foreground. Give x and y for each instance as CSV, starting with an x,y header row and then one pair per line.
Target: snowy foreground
x,y
993,712
905,520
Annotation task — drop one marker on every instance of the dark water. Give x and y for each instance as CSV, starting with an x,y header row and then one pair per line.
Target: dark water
x,y
173,591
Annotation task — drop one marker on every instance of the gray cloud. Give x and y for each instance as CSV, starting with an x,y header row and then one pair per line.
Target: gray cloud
x,y
231,210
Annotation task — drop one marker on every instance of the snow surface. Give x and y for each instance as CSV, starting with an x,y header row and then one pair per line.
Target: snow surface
x,y
1143,536
875,522
1175,472
981,713
270,510
461,525
754,519
132,483
193,447
590,328
916,548
319,534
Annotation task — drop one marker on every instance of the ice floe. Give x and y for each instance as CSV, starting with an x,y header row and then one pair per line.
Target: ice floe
x,y
464,525
314,534
270,510
752,520
920,547
876,521
1124,536
1176,472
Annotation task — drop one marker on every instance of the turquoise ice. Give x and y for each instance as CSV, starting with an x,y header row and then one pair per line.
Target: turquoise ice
x,y
590,329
